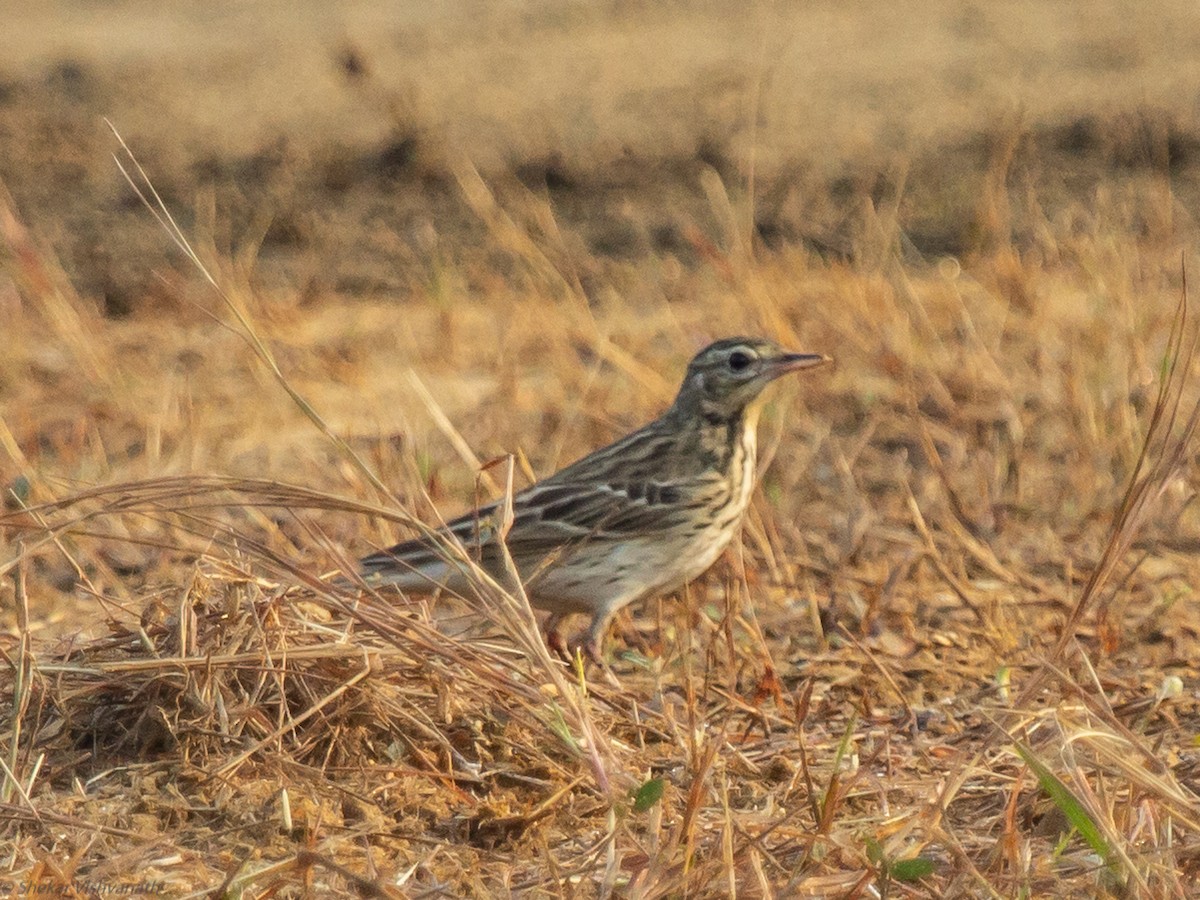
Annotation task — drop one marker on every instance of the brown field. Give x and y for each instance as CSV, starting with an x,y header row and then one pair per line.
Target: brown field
x,y
956,652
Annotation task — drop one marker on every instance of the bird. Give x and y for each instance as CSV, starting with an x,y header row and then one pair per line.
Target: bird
x,y
638,518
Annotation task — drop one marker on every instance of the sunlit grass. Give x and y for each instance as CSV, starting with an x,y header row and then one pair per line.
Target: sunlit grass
x,y
821,716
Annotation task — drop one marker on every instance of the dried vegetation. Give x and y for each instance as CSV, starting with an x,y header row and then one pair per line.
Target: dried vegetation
x,y
955,653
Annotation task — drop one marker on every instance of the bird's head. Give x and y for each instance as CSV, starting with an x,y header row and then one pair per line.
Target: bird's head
x,y
726,377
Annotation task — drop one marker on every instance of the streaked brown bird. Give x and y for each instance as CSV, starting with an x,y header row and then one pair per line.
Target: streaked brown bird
x,y
640,517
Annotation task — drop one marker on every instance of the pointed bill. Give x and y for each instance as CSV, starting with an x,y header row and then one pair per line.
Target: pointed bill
x,y
793,362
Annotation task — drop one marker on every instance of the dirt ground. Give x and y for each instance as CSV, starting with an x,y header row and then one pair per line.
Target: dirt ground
x,y
955,652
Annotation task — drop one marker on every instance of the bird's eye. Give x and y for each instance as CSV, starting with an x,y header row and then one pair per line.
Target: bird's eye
x,y
739,361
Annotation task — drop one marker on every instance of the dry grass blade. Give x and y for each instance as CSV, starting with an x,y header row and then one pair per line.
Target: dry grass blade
x,y
1163,452
154,203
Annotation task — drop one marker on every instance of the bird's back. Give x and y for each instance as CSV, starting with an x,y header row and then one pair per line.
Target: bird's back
x,y
668,485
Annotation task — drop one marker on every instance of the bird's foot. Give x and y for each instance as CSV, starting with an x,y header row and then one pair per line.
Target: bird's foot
x,y
555,640
589,645
592,651
558,644
568,651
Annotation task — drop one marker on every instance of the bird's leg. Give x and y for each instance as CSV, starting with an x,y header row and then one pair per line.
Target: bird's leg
x,y
593,644
554,638
594,652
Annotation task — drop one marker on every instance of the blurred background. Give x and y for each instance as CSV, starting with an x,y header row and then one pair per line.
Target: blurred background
x,y
328,135
526,216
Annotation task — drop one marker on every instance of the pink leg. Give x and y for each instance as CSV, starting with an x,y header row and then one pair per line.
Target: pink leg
x,y
593,645
554,638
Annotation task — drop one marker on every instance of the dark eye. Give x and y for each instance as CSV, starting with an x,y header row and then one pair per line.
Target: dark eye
x,y
738,361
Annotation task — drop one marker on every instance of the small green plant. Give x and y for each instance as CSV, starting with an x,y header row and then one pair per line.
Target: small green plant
x,y
648,794
911,868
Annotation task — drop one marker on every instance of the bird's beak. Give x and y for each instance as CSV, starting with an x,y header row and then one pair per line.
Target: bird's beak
x,y
792,362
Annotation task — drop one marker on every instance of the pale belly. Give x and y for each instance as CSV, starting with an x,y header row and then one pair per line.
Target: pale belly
x,y
628,571
587,581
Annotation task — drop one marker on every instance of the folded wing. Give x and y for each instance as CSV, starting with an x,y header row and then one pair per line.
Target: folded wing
x,y
549,519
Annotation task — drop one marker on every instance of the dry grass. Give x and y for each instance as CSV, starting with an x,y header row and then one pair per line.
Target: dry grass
x,y
878,694
954,653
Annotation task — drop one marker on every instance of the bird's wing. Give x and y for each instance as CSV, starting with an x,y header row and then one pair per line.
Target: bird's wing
x,y
566,511
552,517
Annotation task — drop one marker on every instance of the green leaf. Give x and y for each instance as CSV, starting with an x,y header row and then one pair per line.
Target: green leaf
x,y
647,795
635,658
874,850
19,489
558,724
912,869
1063,797
846,745
773,491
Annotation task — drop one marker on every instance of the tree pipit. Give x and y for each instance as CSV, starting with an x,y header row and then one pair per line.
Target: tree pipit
x,y
640,517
